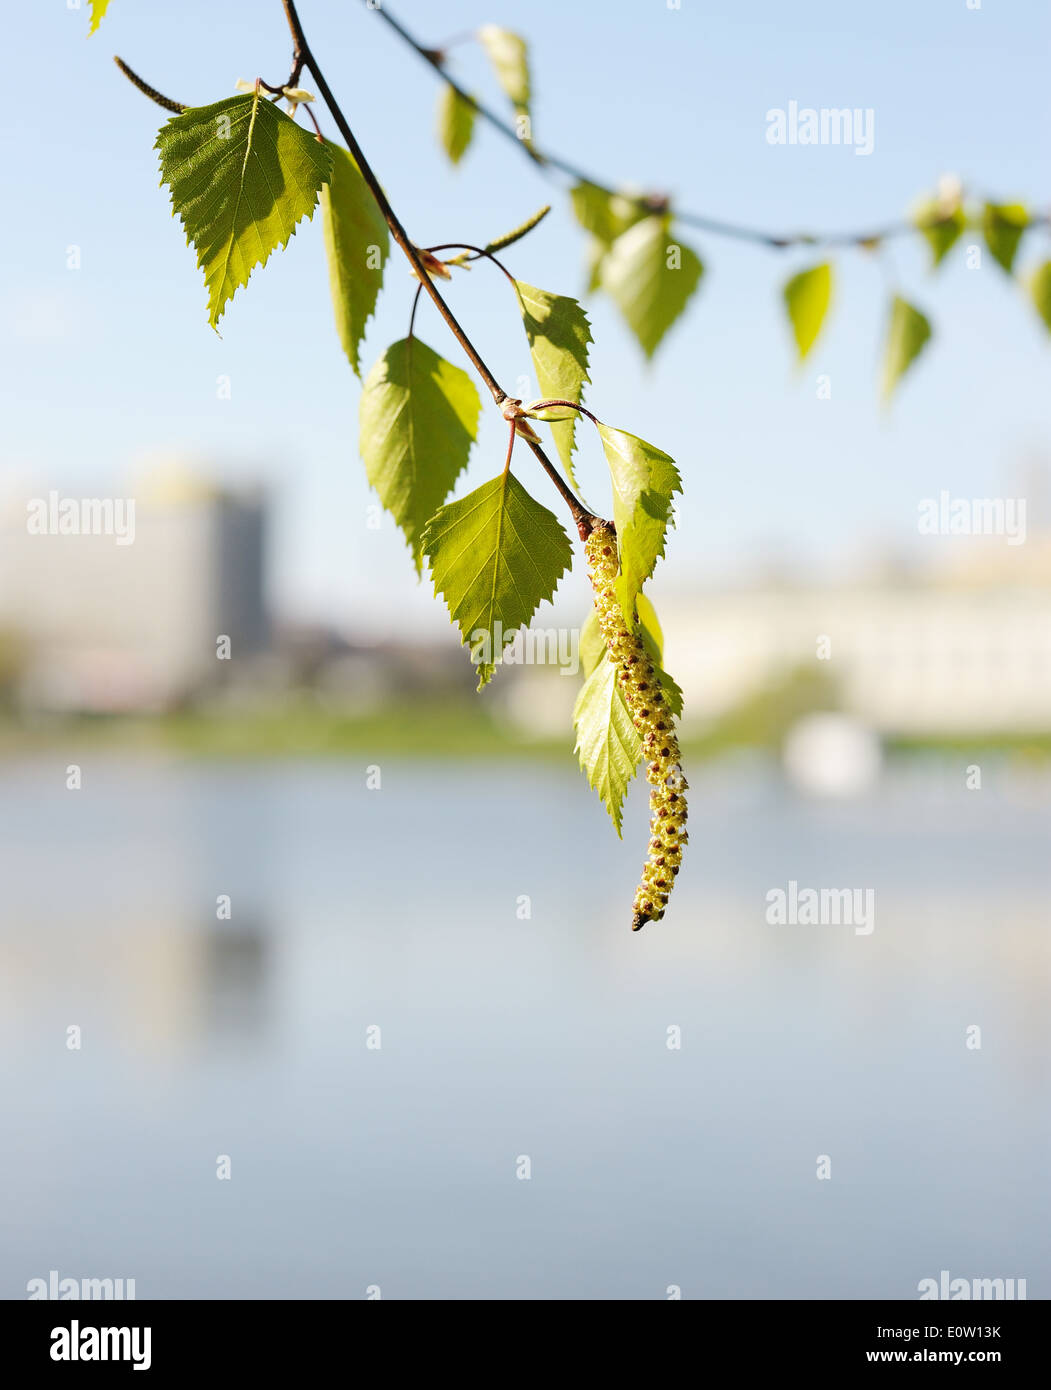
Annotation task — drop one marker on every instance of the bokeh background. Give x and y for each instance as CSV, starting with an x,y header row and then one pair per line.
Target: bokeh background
x,y
910,758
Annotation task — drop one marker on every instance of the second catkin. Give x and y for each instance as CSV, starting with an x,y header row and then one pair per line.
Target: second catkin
x,y
647,705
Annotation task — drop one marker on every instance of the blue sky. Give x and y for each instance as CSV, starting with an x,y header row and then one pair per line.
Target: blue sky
x,y
115,363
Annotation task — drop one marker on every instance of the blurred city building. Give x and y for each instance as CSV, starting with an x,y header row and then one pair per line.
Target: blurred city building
x,y
960,647
90,625
964,648
112,624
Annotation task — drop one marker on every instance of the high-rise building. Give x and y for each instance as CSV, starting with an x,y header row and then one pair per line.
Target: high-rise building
x,y
122,603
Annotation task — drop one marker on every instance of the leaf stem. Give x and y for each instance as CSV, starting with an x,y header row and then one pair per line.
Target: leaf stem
x,y
510,448
415,306
479,252
313,119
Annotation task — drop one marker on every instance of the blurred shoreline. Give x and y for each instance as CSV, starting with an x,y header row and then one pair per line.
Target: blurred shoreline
x,y
451,731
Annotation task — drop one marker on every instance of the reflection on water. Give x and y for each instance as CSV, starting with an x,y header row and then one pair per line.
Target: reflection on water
x,y
209,1030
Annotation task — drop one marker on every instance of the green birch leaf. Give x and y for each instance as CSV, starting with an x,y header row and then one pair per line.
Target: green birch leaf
x,y
907,336
591,207
510,59
242,174
653,640
455,122
649,626
1003,225
419,418
650,278
98,13
1040,289
495,556
594,257
608,745
807,297
357,244
605,215
591,646
644,481
559,333
940,231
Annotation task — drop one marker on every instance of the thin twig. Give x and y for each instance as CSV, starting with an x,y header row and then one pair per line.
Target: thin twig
x,y
586,521
303,57
435,59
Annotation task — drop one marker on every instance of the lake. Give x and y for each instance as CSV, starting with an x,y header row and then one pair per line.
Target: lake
x,y
433,1058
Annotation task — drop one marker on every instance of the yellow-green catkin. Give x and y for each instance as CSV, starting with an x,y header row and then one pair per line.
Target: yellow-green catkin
x,y
648,707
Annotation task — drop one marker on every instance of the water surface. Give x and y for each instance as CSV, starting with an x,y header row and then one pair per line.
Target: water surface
x,y
505,1036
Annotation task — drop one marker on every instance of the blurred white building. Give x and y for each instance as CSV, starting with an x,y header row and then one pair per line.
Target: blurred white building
x,y
112,623
966,650
134,626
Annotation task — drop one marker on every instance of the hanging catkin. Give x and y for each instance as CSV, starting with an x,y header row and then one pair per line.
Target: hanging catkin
x,y
648,707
